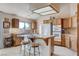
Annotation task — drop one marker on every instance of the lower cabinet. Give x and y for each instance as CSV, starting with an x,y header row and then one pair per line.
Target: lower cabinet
x,y
63,42
8,42
16,40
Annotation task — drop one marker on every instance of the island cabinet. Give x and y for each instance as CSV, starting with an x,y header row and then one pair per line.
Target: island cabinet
x,y
66,23
15,23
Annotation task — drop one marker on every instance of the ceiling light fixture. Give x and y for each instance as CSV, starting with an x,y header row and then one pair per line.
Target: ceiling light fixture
x,y
49,12
45,10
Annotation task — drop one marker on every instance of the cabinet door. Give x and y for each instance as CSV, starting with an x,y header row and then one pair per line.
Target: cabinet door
x,y
57,21
63,43
34,24
15,23
74,21
16,40
67,23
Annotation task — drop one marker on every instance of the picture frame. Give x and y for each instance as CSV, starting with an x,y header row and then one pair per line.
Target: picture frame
x,y
6,23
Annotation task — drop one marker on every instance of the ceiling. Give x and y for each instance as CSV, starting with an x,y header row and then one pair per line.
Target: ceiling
x,y
21,9
26,9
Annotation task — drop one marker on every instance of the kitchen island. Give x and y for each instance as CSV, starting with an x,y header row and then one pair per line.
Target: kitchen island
x,y
49,40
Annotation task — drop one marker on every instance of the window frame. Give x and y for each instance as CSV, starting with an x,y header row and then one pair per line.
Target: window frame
x,y
24,25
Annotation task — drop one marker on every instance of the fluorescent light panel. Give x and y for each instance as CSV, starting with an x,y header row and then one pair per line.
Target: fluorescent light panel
x,y
45,11
48,8
49,12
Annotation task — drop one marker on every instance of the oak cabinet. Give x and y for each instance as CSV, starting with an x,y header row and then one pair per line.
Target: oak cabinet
x,y
15,23
16,40
74,21
57,21
67,23
54,21
63,42
34,26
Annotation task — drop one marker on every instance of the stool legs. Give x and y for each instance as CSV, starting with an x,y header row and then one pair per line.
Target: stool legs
x,y
39,51
21,49
35,51
29,51
24,50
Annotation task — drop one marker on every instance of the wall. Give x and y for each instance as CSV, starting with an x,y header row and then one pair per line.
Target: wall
x,y
1,34
10,16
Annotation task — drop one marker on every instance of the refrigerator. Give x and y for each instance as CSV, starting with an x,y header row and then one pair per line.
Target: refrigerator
x,y
56,30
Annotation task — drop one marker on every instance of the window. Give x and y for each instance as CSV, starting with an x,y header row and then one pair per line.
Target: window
x,y
21,25
24,25
27,25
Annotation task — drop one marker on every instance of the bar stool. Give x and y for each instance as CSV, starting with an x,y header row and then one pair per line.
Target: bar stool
x,y
24,43
34,46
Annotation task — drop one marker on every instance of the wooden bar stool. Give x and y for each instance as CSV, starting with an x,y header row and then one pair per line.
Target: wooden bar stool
x,y
34,46
24,43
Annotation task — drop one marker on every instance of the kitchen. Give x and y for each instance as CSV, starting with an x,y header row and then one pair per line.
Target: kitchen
x,y
63,30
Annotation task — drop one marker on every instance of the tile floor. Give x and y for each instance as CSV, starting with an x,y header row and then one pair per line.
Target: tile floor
x,y
17,51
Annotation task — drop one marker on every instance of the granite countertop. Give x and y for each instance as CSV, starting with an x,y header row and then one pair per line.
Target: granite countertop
x,y
33,35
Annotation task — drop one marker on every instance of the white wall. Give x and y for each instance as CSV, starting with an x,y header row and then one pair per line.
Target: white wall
x,y
1,34
10,16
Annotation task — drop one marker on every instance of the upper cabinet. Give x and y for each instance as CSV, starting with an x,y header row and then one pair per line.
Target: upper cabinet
x,y
34,26
15,23
66,23
74,21
57,21
54,21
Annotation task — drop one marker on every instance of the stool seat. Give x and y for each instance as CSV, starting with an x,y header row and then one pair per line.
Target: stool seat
x,y
35,45
24,43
